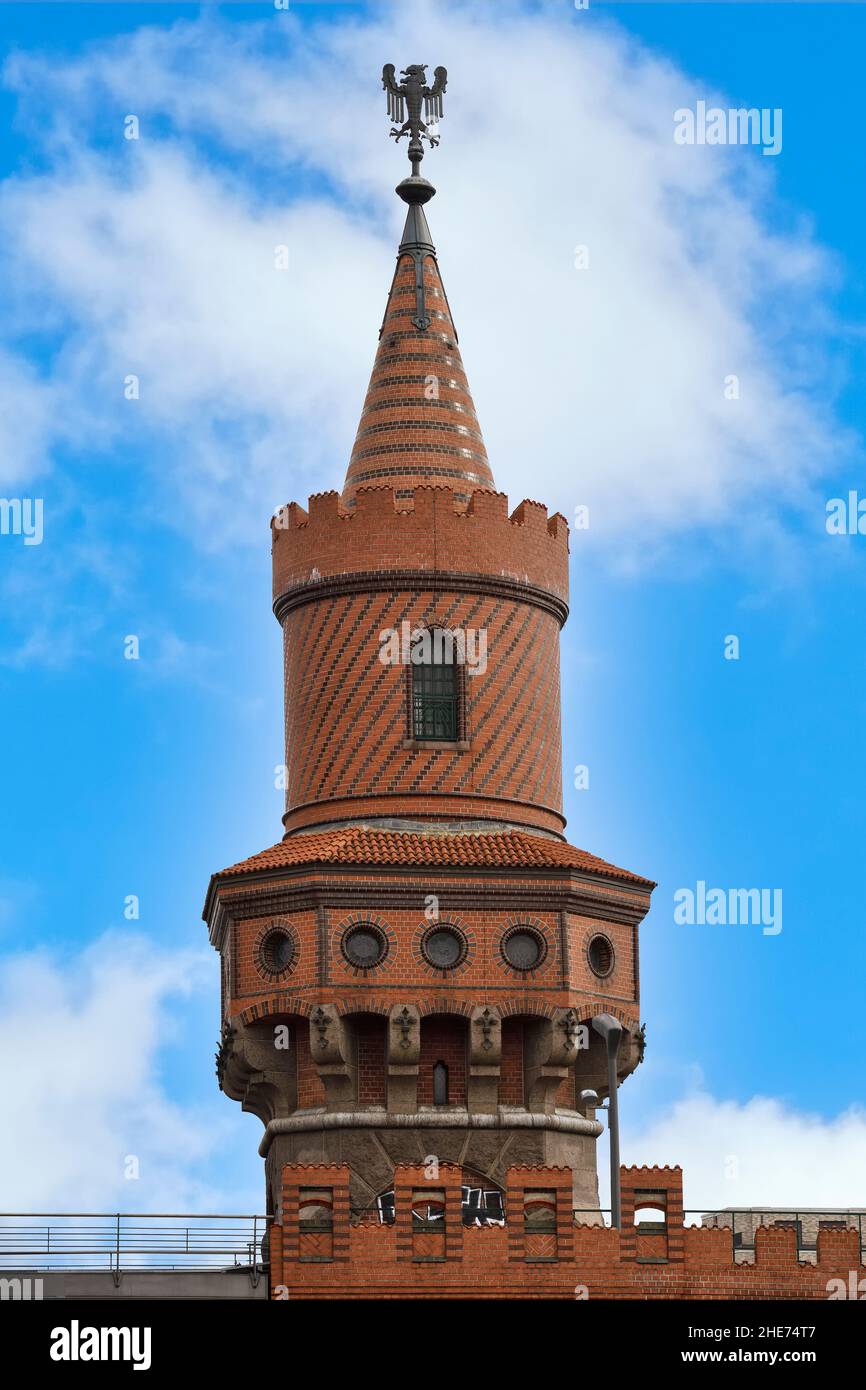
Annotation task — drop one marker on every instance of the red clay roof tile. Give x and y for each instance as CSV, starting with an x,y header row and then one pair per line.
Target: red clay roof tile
x,y
354,845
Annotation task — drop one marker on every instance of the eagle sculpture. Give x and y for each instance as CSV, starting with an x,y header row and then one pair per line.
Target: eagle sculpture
x,y
411,94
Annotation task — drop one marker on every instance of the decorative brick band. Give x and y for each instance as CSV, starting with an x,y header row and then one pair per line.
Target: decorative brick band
x,y
440,581
388,403
418,471
390,426
425,449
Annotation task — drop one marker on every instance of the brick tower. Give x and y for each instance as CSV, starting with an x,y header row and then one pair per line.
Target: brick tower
x,y
408,975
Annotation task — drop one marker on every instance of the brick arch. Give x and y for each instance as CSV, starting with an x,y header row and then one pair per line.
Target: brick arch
x,y
585,1012
345,1007
445,1006
276,1006
535,1007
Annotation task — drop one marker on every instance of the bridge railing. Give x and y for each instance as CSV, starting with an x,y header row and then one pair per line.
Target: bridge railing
x,y
122,1241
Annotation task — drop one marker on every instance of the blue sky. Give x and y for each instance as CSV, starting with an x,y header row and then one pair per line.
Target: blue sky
x,y
707,519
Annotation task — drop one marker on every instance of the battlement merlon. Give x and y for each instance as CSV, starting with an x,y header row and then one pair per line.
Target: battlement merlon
x,y
424,531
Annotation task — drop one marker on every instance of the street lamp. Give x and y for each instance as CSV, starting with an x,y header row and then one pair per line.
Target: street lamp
x,y
610,1029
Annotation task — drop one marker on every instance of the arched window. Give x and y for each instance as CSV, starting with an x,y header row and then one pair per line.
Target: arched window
x,y
440,1084
436,686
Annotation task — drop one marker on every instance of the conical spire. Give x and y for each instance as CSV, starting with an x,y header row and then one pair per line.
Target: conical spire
x,y
418,424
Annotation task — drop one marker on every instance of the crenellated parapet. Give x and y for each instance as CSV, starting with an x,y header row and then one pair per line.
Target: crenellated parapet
x,y
428,1242
426,535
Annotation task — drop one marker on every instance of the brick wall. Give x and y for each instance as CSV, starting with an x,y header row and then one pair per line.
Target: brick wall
x,y
321,972
575,1262
347,714
427,531
371,1043
511,1090
443,1039
249,971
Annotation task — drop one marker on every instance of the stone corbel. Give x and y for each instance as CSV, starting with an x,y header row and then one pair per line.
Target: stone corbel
x,y
330,1052
570,1038
252,1069
591,1070
485,1058
404,1055
631,1049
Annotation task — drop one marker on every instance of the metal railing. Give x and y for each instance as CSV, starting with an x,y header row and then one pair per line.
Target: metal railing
x,y
591,1216
121,1242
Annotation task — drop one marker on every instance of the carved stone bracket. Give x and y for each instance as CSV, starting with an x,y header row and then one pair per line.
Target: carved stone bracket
x,y
485,1036
330,1053
254,1070
487,1023
568,1038
485,1057
320,1023
404,1035
404,1023
404,1055
224,1054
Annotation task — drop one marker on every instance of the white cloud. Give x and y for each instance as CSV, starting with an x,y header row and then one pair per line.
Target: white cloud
x,y
27,414
761,1152
84,1090
604,385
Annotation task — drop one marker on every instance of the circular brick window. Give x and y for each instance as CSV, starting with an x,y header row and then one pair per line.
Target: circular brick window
x,y
523,948
277,951
444,947
364,946
600,955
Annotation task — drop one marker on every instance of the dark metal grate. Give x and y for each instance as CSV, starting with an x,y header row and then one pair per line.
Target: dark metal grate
x,y
435,702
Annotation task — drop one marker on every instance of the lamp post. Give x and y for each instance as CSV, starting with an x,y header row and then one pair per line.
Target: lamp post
x,y
610,1029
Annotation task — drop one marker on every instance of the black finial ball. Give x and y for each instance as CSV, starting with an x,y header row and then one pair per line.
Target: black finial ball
x,y
415,190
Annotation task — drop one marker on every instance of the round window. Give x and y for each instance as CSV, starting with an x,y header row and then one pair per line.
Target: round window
x,y
444,947
364,946
278,951
600,953
523,948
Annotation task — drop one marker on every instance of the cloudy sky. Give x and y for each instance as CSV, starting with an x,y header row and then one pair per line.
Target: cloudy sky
x,y
609,285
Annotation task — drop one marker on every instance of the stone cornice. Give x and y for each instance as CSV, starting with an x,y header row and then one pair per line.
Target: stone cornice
x,y
444,1119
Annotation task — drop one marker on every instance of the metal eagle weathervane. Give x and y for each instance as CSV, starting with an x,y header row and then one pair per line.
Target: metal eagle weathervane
x,y
413,94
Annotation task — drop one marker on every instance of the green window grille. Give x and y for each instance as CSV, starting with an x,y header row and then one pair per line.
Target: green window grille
x,y
435,701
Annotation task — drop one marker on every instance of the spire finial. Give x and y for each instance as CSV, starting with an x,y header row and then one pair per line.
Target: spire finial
x,y
412,93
